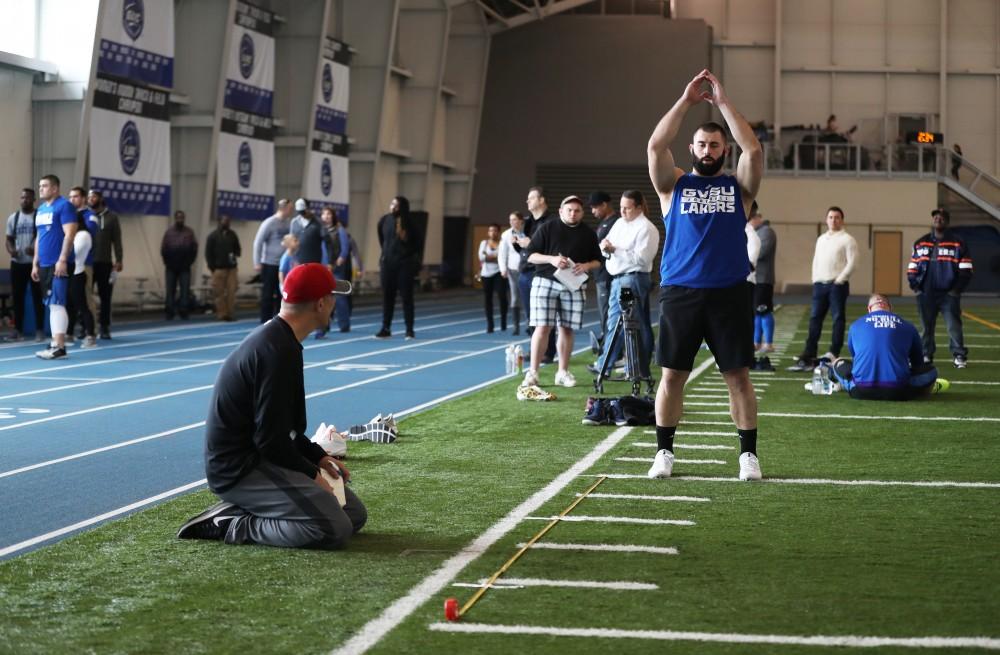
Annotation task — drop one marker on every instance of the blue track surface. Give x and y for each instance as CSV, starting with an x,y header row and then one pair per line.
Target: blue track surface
x,y
154,381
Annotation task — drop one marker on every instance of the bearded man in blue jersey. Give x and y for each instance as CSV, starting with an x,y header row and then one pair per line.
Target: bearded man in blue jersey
x,y
704,266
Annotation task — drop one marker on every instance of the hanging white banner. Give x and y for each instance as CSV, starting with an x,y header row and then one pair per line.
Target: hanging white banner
x,y
137,41
326,182
245,187
333,86
130,147
250,66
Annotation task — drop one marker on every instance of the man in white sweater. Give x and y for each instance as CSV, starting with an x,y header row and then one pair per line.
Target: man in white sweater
x,y
833,262
629,251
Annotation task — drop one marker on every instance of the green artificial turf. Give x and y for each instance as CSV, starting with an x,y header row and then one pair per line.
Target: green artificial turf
x,y
761,558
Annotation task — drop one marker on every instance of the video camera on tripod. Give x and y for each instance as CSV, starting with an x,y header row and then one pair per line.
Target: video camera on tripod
x,y
626,328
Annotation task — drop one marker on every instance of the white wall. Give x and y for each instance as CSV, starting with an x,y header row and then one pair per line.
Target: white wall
x,y
15,143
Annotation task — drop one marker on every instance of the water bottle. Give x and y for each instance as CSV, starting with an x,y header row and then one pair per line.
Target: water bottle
x,y
519,358
817,381
509,360
827,382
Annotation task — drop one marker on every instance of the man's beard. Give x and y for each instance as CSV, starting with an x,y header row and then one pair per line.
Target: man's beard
x,y
707,169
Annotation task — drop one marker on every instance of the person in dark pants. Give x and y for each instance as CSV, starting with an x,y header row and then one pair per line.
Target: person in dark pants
x,y
400,261
489,275
939,271
179,249
20,243
538,209
888,359
222,253
267,251
105,269
603,211
343,269
258,459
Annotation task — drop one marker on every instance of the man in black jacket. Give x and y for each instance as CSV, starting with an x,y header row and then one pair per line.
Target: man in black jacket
x,y
401,253
257,457
179,249
222,252
109,239
939,270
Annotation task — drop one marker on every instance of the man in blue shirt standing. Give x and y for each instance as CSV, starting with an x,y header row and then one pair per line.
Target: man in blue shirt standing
x,y
56,227
888,358
704,267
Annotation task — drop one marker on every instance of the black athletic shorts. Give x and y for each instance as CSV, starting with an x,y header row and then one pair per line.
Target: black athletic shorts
x,y
721,317
763,298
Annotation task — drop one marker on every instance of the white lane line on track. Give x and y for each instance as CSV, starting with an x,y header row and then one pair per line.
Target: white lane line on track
x,y
28,543
402,607
647,460
821,481
665,499
610,548
618,585
582,518
979,419
851,641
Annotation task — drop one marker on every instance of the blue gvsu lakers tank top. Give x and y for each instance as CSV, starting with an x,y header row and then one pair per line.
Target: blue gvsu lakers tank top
x,y
705,242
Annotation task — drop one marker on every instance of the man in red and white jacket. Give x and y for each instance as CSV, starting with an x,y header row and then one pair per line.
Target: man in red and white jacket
x,y
939,271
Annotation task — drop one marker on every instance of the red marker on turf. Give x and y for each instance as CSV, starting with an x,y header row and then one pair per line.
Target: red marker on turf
x,y
451,609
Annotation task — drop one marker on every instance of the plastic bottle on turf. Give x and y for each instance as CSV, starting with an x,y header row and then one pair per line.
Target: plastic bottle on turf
x,y
519,357
817,381
509,360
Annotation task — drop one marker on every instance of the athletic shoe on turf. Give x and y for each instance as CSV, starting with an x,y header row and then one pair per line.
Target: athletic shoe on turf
x,y
597,413
51,353
829,357
377,432
530,378
960,362
802,364
940,386
383,334
616,413
89,342
749,467
663,465
210,524
565,379
330,440
534,392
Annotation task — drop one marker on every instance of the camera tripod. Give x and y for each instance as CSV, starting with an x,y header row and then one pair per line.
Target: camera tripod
x,y
626,328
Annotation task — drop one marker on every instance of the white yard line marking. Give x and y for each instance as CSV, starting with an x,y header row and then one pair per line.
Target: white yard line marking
x,y
708,396
612,548
685,422
853,641
820,481
700,446
647,460
28,543
619,585
402,607
972,382
699,403
980,419
984,361
579,518
697,433
665,499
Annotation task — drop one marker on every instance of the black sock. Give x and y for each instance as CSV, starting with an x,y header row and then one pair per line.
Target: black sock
x,y
748,441
665,438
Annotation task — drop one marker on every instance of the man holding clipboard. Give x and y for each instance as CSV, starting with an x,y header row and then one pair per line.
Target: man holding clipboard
x,y
563,253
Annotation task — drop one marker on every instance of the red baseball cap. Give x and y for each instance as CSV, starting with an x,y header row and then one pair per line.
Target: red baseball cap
x,y
310,282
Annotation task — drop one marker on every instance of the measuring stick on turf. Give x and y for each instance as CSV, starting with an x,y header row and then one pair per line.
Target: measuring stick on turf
x,y
541,533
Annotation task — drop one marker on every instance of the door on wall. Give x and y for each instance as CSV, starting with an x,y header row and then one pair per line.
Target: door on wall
x,y
887,259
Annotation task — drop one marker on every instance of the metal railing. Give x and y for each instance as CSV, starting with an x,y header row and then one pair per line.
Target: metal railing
x,y
852,160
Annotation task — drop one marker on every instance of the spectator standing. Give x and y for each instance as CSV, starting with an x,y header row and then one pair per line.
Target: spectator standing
x,y
402,249
53,261
939,271
106,267
267,252
539,214
343,269
763,300
81,302
288,259
20,243
833,263
600,207
222,252
489,274
509,261
312,236
179,250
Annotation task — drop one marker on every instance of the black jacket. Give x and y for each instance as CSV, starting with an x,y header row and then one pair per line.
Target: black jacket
x,y
222,250
394,249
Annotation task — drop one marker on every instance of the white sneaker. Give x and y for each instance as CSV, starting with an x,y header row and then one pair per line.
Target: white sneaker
x,y
530,378
829,356
89,342
663,465
565,379
749,467
330,440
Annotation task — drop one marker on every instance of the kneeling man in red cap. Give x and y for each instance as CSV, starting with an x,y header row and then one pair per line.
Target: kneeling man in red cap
x,y
271,478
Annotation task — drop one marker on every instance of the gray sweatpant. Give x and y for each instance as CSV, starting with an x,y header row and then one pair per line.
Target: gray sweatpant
x,y
287,509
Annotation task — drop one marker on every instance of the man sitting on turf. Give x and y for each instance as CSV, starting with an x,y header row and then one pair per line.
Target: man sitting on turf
x,y
888,358
258,459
